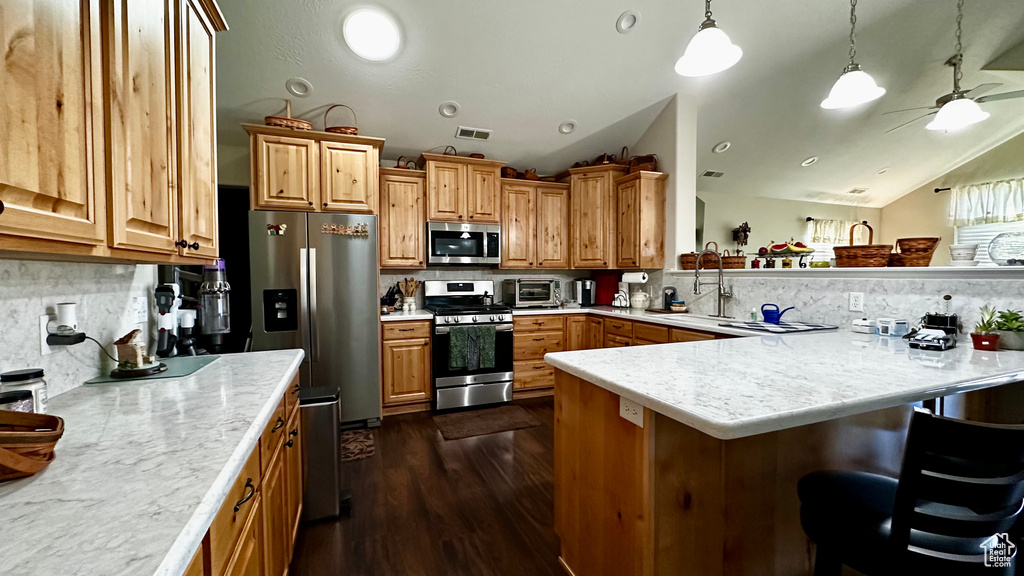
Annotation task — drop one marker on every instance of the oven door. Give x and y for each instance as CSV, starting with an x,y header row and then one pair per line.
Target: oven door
x,y
535,293
462,244
444,376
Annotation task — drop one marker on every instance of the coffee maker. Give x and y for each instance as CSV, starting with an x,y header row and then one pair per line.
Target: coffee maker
x,y
584,291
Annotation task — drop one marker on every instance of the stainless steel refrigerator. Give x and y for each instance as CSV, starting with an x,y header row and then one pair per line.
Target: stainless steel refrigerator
x,y
314,286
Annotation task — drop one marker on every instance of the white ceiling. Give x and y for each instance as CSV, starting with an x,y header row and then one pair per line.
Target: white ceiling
x,y
520,68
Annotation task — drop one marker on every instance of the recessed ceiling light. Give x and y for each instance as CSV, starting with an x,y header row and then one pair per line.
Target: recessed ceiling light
x,y
449,109
371,34
810,161
567,127
721,147
627,21
298,87
882,171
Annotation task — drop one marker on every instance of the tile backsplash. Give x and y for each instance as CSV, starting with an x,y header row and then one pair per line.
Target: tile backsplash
x,y
104,294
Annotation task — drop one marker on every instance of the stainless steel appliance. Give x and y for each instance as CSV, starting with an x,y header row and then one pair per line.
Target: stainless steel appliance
x,y
454,243
314,286
531,292
584,291
459,304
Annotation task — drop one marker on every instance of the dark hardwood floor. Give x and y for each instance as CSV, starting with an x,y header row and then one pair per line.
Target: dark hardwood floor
x,y
425,506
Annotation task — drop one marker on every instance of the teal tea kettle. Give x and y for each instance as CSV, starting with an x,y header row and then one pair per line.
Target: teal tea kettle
x,y
772,314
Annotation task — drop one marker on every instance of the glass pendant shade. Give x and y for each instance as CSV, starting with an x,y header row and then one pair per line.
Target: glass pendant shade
x,y
854,87
709,52
958,113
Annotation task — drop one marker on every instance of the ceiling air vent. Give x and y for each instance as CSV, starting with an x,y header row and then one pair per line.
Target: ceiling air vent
x,y
858,191
473,133
712,174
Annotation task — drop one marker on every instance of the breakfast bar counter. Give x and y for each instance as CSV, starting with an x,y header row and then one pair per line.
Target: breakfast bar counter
x,y
708,484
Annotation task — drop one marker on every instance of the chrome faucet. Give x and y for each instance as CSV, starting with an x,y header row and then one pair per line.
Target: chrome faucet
x,y
723,293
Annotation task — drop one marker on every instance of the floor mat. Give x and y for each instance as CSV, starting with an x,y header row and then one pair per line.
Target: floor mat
x,y
486,421
356,445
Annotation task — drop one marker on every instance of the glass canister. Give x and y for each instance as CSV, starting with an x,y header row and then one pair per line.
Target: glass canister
x,y
16,401
30,379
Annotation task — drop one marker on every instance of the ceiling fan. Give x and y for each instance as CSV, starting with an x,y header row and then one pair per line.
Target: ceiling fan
x,y
959,108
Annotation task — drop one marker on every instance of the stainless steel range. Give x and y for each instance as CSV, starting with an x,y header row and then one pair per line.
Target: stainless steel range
x,y
468,369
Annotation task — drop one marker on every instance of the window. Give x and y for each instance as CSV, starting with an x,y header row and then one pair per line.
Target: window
x,y
982,235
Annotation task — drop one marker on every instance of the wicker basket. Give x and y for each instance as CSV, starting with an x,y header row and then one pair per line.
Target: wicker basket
x,y
350,130
737,262
508,172
707,260
914,252
688,261
863,255
646,163
287,121
26,443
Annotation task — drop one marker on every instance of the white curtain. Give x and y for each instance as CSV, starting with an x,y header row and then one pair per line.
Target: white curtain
x,y
988,203
835,232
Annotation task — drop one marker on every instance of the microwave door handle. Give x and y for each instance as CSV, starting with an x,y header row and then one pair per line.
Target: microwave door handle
x,y
314,342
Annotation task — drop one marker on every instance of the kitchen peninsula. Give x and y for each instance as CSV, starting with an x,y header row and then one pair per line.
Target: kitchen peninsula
x,y
708,484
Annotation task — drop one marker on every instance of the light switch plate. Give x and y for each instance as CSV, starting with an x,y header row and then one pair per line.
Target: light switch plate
x,y
140,310
631,411
44,348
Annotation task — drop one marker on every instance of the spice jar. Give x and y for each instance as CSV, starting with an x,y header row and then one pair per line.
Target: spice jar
x,y
16,401
31,380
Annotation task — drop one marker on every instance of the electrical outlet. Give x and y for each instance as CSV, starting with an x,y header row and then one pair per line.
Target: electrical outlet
x,y
631,411
856,301
140,310
44,348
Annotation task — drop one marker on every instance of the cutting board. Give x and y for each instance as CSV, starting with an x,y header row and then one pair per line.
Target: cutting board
x,y
176,368
781,328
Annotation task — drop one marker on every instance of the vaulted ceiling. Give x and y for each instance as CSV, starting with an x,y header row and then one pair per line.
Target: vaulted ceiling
x,y
521,68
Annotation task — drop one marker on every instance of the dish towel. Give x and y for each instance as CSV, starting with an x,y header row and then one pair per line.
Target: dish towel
x,y
458,346
473,348
486,343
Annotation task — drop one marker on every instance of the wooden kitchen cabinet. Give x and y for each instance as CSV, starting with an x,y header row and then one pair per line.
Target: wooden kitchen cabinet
x,y
533,337
313,171
462,189
576,332
535,225
640,220
402,220
592,193
276,524
295,470
644,334
681,335
249,557
595,333
613,341
406,370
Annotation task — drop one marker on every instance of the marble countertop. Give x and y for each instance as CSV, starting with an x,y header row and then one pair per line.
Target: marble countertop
x,y
739,387
142,469
414,315
686,321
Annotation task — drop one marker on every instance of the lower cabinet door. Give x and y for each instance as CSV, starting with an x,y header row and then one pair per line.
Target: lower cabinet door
x,y
248,557
406,371
296,478
576,333
276,524
595,333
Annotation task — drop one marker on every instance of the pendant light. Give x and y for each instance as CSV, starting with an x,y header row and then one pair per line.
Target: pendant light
x,y
710,51
960,111
855,86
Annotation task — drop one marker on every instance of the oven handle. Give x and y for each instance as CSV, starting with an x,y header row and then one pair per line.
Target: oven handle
x,y
447,329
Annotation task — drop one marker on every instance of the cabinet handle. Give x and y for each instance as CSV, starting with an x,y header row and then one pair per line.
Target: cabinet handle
x,y
427,343
310,202
181,243
289,444
279,425
530,263
194,246
538,339
421,261
325,204
406,329
296,389
294,432
1,206
538,367
460,216
470,216
248,496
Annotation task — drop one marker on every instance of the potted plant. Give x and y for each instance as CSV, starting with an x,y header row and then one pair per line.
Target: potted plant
x,y
1010,326
984,335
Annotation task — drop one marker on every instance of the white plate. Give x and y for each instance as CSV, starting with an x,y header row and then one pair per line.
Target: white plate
x,y
963,263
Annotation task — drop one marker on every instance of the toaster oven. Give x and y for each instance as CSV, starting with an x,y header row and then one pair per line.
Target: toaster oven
x,y
531,292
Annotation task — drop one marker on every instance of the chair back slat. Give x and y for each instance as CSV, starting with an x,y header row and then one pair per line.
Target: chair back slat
x,y
981,495
964,525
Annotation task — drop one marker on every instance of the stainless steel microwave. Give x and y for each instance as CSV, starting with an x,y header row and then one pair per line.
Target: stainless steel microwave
x,y
531,292
454,243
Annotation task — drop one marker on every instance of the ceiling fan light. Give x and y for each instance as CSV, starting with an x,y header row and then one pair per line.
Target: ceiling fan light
x,y
956,114
853,88
709,52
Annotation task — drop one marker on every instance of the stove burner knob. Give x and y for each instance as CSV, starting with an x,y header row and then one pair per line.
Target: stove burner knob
x,y
457,319
501,318
449,319
474,318
492,318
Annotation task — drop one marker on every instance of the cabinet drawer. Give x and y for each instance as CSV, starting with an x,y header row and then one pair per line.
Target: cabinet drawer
x,y
291,395
613,341
538,323
406,330
650,332
680,335
227,526
534,345
618,327
533,374
272,435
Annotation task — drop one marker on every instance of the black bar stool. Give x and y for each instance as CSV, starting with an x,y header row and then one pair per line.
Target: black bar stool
x,y
960,492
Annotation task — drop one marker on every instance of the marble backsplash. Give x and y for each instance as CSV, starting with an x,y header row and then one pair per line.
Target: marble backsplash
x,y
104,294
826,300
389,278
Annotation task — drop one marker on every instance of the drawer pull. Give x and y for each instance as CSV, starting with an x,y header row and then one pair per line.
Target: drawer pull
x,y
538,339
538,367
538,323
194,246
406,329
279,425
1,207
296,389
294,432
251,492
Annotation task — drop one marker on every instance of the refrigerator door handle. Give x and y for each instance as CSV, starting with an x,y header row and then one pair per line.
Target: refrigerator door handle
x,y
314,341
303,285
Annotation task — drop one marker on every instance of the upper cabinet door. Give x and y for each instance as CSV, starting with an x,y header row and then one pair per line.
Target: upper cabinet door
x,y
139,50
402,226
627,196
197,131
518,231
484,197
284,172
591,220
51,131
348,176
446,197
553,228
